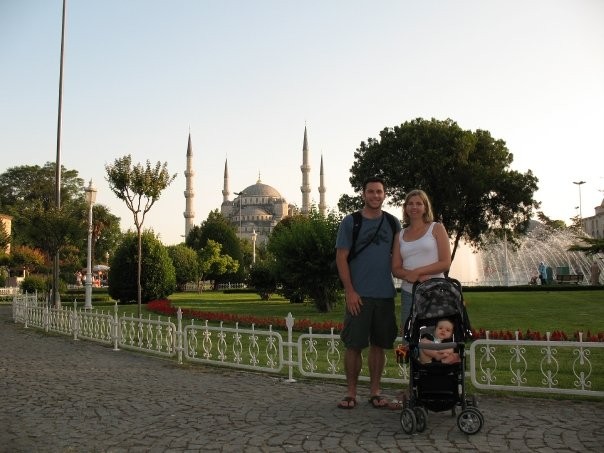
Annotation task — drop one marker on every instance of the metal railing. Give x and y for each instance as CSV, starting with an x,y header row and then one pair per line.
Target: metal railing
x,y
561,367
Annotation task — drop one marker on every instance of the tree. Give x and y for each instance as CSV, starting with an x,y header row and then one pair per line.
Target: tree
x,y
185,264
217,228
139,187
57,231
213,263
158,276
27,259
106,232
262,279
4,238
304,248
30,189
553,224
465,173
28,194
591,246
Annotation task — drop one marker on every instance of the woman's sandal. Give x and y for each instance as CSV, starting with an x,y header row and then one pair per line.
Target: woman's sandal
x,y
348,402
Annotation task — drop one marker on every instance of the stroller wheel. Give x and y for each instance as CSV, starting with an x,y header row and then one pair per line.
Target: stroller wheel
x,y
421,419
470,421
408,421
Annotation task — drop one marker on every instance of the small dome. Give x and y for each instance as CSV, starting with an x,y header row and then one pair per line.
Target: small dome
x,y
248,211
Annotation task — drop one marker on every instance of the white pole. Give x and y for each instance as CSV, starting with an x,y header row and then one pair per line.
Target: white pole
x,y
254,236
90,192
88,298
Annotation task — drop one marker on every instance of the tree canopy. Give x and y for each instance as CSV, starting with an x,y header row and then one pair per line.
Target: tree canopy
x,y
466,174
217,228
27,193
303,248
185,263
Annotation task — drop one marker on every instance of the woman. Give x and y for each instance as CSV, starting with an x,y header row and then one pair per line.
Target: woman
x,y
422,251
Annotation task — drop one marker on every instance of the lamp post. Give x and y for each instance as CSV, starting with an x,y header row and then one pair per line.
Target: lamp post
x,y
254,237
90,199
580,183
239,194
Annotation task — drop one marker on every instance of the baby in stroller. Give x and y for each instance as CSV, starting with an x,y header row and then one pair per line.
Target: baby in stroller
x,y
436,331
443,333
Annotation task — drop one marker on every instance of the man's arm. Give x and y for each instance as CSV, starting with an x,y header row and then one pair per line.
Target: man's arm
x,y
353,300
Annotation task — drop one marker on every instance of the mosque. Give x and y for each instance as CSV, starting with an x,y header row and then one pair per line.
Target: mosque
x,y
255,210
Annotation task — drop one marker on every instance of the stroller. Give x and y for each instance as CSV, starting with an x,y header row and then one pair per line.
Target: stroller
x,y
438,386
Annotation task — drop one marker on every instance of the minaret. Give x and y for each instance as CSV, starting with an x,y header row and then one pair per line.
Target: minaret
x,y
305,167
225,187
322,205
189,214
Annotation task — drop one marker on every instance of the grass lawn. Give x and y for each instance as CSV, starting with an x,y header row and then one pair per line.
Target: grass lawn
x,y
568,311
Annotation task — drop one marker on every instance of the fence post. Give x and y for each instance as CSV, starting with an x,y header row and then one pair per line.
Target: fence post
x,y
46,318
115,328
25,311
289,322
75,323
179,335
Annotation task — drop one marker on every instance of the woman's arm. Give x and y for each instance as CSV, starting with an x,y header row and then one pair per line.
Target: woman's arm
x,y
397,260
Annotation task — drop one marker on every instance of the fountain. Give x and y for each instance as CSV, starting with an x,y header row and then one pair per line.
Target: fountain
x,y
488,267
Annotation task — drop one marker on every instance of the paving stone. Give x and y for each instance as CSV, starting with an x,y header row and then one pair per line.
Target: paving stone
x,y
60,395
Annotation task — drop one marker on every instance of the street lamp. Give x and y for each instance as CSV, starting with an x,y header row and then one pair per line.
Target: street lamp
x,y
254,237
580,183
239,194
90,199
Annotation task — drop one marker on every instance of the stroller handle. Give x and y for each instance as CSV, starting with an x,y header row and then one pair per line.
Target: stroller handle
x,y
437,346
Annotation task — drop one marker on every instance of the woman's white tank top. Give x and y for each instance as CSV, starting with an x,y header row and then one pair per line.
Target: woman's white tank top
x,y
418,253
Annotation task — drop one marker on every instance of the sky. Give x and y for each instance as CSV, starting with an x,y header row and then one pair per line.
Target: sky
x,y
245,78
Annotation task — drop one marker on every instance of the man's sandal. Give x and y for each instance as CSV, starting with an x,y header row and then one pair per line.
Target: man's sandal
x,y
378,401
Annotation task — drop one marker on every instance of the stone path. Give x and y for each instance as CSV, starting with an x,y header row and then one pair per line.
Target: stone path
x,y
60,395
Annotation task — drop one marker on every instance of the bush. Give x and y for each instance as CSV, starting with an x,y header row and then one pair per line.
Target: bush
x,y
33,283
262,279
158,277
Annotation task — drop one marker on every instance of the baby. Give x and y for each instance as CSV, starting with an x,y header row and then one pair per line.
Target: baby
x,y
443,332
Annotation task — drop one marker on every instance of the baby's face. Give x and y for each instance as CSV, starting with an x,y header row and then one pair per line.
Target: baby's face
x,y
444,330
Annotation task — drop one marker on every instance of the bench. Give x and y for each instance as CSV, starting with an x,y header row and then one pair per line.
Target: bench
x,y
569,278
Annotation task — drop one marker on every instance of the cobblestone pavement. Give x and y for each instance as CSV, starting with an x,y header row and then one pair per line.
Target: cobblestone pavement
x,y
61,395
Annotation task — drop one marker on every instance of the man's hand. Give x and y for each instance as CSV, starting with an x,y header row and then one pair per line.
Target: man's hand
x,y
353,302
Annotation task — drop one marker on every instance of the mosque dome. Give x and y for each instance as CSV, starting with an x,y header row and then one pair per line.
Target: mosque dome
x,y
261,190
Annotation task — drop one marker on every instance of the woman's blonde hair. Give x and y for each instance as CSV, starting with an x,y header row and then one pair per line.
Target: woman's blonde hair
x,y
428,214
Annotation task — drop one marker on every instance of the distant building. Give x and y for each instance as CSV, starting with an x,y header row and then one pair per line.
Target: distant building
x,y
189,213
594,225
6,223
259,207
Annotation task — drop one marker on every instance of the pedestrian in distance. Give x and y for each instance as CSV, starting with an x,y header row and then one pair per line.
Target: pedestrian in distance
x,y
542,269
364,269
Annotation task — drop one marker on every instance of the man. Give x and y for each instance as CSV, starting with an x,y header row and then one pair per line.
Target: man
x,y
370,318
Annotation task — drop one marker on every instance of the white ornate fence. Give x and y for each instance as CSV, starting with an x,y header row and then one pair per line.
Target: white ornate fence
x,y
9,293
562,367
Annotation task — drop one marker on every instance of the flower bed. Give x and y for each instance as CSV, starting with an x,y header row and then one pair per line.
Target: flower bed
x,y
164,307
